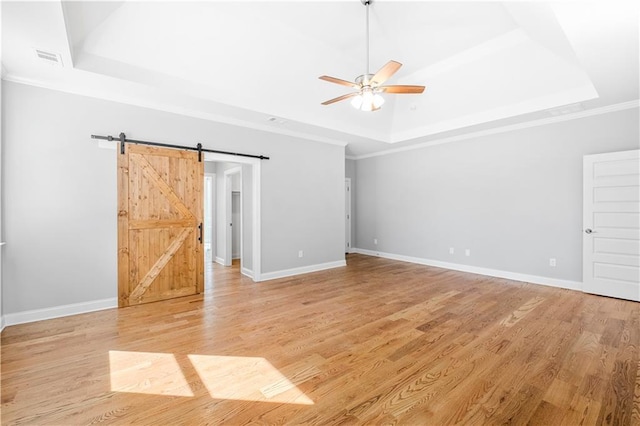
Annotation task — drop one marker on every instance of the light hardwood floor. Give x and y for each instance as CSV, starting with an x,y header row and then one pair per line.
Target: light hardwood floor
x,y
377,342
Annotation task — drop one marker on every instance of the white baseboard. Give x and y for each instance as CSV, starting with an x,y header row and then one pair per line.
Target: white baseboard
x,y
247,272
219,260
2,324
301,270
59,311
515,276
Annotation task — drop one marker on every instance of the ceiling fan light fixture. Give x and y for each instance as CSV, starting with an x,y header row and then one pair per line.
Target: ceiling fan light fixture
x,y
356,102
377,101
369,86
367,100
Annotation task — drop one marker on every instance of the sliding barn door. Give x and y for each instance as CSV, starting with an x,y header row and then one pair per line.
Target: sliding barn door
x,y
159,224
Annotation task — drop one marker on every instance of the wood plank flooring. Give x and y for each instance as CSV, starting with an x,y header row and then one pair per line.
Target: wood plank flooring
x,y
377,342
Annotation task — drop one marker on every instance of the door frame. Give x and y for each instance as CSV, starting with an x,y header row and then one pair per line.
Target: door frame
x,y
256,253
213,218
228,215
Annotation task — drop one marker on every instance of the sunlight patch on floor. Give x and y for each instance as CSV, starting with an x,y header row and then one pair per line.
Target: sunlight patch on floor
x,y
248,379
224,377
147,373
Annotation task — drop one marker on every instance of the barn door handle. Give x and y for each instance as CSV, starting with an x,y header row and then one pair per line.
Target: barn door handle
x,y
200,232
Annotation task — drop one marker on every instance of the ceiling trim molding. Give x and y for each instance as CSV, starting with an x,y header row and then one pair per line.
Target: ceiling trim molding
x,y
541,103
525,125
175,110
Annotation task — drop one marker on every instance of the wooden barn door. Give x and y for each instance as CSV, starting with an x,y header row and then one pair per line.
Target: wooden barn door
x,y
159,224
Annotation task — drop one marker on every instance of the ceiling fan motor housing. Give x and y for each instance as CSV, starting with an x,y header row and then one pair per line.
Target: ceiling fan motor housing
x,y
364,80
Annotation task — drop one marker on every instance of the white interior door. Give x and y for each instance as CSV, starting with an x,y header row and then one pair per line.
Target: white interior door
x,y
611,224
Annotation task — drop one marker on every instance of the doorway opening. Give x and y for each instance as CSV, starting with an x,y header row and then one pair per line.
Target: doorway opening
x,y
233,215
232,221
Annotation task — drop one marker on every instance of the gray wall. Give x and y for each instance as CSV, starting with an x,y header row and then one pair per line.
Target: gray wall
x,y
210,167
1,221
514,199
59,193
309,181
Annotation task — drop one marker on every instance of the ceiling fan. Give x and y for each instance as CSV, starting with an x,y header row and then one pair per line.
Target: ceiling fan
x,y
369,86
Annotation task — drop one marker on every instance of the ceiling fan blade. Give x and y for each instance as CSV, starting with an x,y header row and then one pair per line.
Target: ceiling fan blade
x,y
399,88
340,98
339,81
385,72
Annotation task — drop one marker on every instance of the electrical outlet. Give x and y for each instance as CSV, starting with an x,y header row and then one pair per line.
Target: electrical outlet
x,y
552,262
452,250
467,252
375,241
300,253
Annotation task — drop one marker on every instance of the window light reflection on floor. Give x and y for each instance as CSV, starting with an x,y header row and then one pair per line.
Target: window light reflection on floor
x,y
225,377
148,373
248,379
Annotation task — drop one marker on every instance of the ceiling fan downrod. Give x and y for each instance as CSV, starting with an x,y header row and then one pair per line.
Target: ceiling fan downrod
x,y
366,4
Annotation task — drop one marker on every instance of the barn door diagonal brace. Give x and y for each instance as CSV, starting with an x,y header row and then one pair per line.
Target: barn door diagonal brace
x,y
198,147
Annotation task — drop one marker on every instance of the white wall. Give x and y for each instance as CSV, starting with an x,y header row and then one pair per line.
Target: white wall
x,y
514,199
59,196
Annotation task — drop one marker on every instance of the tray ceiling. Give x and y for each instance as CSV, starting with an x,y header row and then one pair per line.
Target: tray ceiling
x,y
483,63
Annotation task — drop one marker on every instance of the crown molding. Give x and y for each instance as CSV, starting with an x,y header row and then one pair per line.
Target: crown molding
x,y
310,137
503,129
174,110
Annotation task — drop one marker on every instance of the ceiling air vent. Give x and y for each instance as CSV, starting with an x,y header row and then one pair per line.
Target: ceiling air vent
x,y
49,57
276,120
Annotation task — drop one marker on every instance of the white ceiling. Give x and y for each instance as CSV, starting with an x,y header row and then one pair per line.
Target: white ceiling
x,y
485,64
